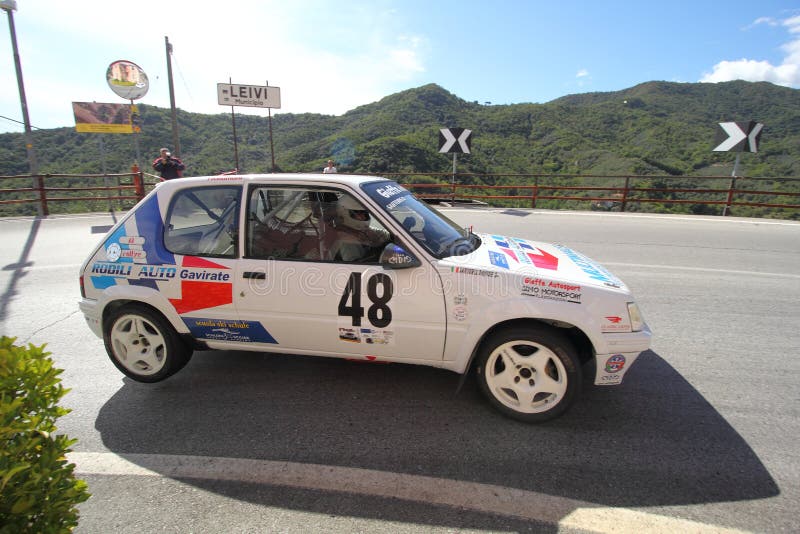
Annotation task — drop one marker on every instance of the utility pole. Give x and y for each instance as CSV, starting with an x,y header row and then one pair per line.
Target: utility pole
x,y
9,6
271,146
235,144
176,144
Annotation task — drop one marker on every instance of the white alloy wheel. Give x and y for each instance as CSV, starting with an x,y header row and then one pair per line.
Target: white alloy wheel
x,y
526,376
144,345
138,345
530,373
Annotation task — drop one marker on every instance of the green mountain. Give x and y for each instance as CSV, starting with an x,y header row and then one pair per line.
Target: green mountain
x,y
656,128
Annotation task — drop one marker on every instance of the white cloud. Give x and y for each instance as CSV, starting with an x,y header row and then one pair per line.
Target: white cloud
x,y
583,73
786,74
769,21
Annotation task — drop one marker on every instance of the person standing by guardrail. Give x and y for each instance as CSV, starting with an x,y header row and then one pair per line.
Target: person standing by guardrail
x,y
330,168
168,166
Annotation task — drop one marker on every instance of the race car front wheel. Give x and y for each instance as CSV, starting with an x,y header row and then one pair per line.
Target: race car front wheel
x,y
143,345
529,373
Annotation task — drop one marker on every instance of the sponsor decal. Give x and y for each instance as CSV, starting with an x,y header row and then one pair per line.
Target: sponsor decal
x,y
369,336
551,290
396,202
519,253
201,287
500,241
611,380
544,260
510,253
228,330
498,259
137,255
614,323
523,252
158,272
203,284
460,313
113,252
592,269
349,334
111,269
615,363
375,336
389,191
126,249
474,272
132,259
135,240
460,299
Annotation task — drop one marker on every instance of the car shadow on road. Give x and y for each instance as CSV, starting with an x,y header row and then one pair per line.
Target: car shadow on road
x,y
653,441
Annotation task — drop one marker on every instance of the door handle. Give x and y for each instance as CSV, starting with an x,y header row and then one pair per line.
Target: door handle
x,y
254,275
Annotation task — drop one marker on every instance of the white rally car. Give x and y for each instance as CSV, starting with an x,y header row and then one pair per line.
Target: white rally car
x,y
353,267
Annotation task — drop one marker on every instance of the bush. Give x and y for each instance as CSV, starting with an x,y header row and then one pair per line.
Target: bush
x,y
38,491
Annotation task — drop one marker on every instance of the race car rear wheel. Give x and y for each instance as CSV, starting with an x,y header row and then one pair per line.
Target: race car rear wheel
x,y
143,345
529,373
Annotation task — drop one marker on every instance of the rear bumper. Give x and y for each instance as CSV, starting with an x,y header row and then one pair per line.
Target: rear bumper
x,y
92,314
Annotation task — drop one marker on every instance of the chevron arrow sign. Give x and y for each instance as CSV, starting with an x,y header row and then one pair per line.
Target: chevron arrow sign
x,y
455,140
738,136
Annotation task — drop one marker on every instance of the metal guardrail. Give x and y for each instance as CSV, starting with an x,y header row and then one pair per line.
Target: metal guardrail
x,y
532,189
134,189
620,196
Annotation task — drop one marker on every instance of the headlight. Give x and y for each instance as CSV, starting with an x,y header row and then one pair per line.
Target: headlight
x,y
637,322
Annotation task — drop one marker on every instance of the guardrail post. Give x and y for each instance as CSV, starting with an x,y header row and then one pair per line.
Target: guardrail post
x,y
42,195
727,207
625,193
138,181
534,192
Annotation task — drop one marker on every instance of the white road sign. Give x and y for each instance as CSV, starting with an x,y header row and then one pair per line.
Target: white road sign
x,y
254,96
741,136
455,140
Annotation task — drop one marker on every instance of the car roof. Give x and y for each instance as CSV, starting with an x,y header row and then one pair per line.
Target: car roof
x,y
352,180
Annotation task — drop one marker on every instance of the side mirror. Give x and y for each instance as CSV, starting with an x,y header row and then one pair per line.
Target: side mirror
x,y
396,257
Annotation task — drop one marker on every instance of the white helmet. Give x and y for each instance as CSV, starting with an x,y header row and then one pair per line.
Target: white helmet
x,y
352,213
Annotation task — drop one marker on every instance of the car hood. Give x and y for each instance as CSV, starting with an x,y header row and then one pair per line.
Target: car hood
x,y
526,257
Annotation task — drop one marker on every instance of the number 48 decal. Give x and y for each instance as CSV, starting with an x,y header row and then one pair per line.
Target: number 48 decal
x,y
379,314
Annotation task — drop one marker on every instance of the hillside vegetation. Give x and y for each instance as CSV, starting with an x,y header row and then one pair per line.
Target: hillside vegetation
x,y
656,128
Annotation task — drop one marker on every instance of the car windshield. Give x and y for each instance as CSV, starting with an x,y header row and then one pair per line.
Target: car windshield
x,y
436,233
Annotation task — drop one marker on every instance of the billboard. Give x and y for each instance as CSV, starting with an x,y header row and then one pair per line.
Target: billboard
x,y
97,117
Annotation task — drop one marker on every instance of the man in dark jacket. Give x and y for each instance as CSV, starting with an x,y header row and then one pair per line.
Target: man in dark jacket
x,y
167,166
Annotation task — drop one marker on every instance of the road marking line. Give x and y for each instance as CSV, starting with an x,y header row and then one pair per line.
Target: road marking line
x,y
485,498
698,269
639,215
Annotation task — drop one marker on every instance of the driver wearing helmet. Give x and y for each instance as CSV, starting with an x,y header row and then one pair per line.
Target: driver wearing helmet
x,y
356,240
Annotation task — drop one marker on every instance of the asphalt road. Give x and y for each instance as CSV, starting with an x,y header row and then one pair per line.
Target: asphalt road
x,y
703,435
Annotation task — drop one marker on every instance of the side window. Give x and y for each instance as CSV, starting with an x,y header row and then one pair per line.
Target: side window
x,y
203,221
311,225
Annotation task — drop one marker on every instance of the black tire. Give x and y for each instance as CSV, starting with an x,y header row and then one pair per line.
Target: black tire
x,y
529,373
143,345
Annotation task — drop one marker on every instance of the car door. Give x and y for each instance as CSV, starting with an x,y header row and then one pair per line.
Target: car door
x,y
200,239
317,293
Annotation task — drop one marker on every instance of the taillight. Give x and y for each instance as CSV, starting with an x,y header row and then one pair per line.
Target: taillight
x,y
83,289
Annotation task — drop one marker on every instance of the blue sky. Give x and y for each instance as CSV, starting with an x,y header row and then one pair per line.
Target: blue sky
x,y
333,56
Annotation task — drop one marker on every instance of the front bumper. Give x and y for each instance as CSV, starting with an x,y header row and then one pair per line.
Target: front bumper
x,y
610,367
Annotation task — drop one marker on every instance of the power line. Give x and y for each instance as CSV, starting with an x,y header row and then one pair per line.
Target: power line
x,y
18,122
180,73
